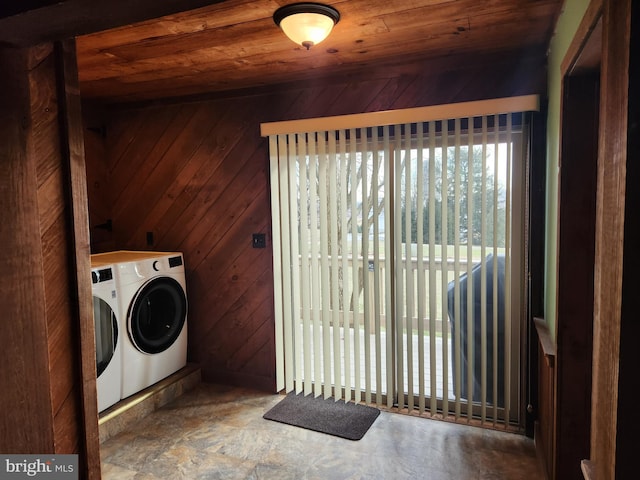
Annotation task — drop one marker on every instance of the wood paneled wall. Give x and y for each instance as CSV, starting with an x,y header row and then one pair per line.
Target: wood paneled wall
x,y
195,174
47,383
98,189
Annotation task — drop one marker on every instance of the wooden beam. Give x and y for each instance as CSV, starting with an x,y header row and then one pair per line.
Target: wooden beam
x,y
72,146
38,21
610,217
26,424
48,383
627,442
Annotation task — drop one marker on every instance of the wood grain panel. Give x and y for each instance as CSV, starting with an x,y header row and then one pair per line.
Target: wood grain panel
x,y
25,427
190,180
41,298
152,179
100,194
238,325
612,158
78,241
241,262
150,145
242,200
230,46
126,131
203,188
628,415
53,169
53,211
37,21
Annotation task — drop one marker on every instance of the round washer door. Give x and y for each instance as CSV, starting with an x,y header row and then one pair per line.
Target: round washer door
x,y
106,333
157,315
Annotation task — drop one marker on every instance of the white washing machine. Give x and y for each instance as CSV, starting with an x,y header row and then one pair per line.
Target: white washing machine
x,y
108,334
153,304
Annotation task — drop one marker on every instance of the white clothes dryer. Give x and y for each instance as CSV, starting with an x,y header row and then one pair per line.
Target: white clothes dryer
x,y
153,301
108,335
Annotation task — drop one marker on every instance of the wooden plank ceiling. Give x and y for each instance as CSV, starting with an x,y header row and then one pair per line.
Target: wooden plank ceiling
x,y
235,44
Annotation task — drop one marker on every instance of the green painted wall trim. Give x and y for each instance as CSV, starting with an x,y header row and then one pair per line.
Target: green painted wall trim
x,y
572,13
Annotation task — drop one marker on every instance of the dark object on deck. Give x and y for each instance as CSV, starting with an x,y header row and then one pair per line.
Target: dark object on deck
x,y
459,320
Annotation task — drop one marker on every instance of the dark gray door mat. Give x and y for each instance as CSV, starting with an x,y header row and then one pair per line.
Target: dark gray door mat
x,y
346,420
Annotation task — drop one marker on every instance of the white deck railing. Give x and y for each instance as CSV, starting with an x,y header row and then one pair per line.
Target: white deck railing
x,y
417,266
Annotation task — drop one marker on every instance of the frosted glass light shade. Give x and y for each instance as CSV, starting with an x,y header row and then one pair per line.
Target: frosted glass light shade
x,y
307,29
306,24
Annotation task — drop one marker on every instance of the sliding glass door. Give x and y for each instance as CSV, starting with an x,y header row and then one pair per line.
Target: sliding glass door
x,y
398,264
458,276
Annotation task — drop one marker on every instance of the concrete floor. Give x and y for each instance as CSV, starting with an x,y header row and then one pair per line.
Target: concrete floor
x,y
217,432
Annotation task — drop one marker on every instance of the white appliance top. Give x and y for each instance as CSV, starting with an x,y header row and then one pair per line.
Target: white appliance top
x,y
126,256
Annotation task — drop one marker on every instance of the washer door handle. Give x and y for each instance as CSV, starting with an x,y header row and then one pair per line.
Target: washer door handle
x,y
114,330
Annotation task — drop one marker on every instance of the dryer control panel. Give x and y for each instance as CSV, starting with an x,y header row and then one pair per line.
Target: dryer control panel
x,y
102,275
175,261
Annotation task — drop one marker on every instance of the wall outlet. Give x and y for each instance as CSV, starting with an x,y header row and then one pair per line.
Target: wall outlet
x,y
259,240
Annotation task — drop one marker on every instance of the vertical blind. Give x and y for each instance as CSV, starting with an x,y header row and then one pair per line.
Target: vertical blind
x,y
398,258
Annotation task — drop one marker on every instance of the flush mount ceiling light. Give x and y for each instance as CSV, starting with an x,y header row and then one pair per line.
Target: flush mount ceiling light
x,y
307,24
